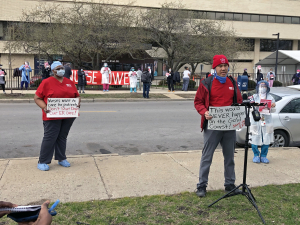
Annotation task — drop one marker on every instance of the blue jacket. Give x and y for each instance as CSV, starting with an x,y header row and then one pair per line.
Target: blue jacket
x,y
25,73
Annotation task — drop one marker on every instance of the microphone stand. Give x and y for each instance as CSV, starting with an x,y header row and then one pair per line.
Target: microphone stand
x,y
245,189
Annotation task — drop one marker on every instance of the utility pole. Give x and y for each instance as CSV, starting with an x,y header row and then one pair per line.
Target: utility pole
x,y
277,47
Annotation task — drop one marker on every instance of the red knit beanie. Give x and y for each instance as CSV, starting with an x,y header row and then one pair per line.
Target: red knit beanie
x,y
219,59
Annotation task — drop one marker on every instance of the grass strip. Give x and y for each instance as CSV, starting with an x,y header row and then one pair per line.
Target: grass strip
x,y
278,205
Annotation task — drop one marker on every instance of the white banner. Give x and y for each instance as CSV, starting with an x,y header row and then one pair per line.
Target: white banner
x,y
62,107
227,118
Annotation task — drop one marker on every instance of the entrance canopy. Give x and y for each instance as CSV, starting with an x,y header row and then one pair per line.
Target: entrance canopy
x,y
285,57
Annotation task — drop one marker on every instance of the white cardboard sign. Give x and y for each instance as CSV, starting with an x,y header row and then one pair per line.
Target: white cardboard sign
x,y
227,118
62,107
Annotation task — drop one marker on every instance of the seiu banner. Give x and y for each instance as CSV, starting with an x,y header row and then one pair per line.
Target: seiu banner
x,y
94,77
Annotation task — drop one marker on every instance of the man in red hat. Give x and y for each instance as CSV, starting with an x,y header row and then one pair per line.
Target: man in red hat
x,y
218,90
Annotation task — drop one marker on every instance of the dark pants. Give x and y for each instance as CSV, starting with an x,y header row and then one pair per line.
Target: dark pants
x,y
24,82
170,84
3,87
146,87
55,138
211,140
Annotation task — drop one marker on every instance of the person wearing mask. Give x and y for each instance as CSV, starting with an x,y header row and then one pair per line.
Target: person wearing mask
x,y
296,77
81,80
68,71
105,71
246,73
186,79
217,90
146,79
260,76
56,130
26,69
2,79
262,132
46,71
170,76
139,74
271,77
133,79
44,217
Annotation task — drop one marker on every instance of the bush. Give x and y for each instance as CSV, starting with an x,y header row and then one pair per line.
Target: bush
x,y
277,83
37,83
251,84
116,86
192,84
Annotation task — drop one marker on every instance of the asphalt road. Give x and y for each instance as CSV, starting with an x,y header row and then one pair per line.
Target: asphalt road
x,y
126,128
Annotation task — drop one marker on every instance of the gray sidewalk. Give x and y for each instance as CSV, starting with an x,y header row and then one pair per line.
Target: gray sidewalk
x,y
96,177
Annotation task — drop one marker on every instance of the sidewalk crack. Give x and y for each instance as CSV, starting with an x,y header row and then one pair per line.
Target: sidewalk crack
x,y
108,195
4,170
183,166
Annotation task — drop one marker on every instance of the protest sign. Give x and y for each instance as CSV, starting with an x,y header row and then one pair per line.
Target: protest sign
x,y
62,107
226,118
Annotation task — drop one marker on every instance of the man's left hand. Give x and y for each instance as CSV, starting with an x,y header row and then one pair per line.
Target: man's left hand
x,y
273,105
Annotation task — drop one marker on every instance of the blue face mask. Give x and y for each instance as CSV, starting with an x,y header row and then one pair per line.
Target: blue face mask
x,y
221,79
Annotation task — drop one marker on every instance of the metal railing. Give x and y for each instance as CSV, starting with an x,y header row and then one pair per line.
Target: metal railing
x,y
14,82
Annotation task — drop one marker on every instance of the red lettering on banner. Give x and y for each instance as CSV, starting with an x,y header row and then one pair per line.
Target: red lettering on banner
x,y
95,77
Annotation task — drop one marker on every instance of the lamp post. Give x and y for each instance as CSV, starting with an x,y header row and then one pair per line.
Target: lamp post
x,y
277,46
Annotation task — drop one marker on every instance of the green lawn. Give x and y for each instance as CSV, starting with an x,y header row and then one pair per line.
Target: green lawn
x,y
278,205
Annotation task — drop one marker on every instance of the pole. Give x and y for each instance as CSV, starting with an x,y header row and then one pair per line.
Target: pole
x,y
277,47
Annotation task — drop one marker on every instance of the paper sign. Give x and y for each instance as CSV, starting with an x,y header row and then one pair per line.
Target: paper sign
x,y
266,108
62,107
227,118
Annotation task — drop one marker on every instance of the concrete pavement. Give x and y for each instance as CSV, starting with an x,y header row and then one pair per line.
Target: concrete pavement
x,y
97,177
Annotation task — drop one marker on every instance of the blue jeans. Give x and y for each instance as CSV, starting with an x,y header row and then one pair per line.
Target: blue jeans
x,y
133,89
146,87
264,150
185,84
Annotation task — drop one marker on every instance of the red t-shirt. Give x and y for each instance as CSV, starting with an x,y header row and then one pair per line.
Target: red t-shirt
x,y
221,94
52,88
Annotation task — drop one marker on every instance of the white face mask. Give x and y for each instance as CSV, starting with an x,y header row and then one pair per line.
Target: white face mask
x,y
60,73
263,90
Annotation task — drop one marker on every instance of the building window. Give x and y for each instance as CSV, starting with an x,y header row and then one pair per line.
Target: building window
x,y
279,19
251,43
211,15
269,45
228,16
246,17
287,19
255,18
271,19
220,16
238,16
263,19
298,45
295,20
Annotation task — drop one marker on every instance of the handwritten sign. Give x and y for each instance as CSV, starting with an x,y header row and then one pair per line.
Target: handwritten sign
x,y
62,107
227,118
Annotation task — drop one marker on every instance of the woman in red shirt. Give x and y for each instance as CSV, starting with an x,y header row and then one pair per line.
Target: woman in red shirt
x,y
56,130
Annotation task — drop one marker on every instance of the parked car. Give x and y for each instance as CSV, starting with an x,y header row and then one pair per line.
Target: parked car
x,y
286,121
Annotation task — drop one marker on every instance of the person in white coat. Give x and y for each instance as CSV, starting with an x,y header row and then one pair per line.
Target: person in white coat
x,y
105,71
262,131
133,79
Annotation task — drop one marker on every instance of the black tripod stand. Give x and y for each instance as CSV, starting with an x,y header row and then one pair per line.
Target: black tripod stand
x,y
245,190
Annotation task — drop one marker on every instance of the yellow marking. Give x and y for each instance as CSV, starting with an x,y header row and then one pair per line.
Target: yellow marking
x,y
96,111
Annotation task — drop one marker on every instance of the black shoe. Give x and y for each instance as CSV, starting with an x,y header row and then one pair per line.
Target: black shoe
x,y
230,187
201,191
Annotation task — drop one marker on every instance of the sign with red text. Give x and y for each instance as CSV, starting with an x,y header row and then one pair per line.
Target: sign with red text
x,y
62,107
94,77
227,118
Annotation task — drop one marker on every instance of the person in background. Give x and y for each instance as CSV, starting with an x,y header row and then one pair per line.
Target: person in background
x,y
68,71
2,78
260,76
186,79
262,131
138,74
133,79
146,79
44,217
105,71
271,77
246,73
81,80
26,69
217,90
170,76
46,71
56,130
296,78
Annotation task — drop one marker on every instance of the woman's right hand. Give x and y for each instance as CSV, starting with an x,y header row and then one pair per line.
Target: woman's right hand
x,y
45,110
207,116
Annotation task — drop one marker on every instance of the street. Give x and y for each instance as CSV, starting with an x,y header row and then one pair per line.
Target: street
x,y
126,128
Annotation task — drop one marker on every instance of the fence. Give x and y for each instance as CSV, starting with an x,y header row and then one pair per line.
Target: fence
x,y
14,83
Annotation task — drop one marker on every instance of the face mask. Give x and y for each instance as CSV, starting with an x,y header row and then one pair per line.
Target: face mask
x,y
263,90
221,79
169,70
60,73
132,70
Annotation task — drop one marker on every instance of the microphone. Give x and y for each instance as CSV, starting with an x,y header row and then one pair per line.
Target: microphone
x,y
245,98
